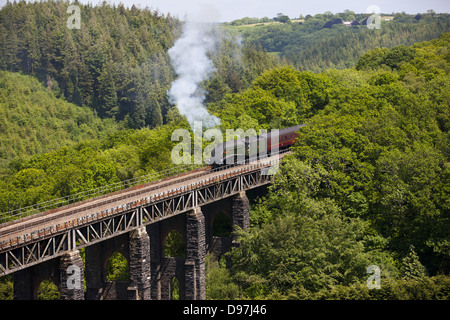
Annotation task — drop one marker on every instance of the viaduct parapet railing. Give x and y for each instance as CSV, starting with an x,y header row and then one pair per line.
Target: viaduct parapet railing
x,y
32,240
100,192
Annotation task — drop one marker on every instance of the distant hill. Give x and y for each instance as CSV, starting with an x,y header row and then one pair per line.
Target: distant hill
x,y
33,120
329,40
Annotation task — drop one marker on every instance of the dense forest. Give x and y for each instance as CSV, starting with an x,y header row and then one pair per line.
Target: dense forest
x,y
116,64
368,182
322,41
33,120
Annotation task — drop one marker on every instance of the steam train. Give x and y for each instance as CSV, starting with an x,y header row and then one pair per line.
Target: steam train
x,y
251,148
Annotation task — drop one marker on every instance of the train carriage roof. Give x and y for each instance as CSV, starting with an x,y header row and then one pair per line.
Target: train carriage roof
x,y
239,142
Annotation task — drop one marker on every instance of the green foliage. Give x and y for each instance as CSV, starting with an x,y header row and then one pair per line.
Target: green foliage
x,y
411,266
236,66
34,121
175,289
116,64
321,42
247,20
120,156
48,291
117,268
6,288
393,58
174,245
398,55
307,246
367,184
372,59
432,288
280,97
219,283
380,147
368,180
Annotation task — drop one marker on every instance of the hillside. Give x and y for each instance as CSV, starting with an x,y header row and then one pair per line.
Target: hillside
x,y
34,121
116,63
367,183
322,41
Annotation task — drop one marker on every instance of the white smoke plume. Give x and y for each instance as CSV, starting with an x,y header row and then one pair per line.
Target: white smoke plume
x,y
192,65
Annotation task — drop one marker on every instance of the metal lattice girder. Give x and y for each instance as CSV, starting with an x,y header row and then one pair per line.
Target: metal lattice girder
x,y
161,209
218,191
34,253
107,228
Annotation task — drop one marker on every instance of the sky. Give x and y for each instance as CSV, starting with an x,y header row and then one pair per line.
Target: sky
x,y
228,10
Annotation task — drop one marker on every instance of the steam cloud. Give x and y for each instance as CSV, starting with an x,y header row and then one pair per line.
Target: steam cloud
x,y
191,63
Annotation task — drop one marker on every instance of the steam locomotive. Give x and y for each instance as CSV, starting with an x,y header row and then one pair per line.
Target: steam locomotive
x,y
251,148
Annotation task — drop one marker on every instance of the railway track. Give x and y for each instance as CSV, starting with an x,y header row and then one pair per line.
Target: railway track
x,y
63,218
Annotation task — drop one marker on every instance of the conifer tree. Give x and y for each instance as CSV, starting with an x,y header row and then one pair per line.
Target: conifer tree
x,y
411,266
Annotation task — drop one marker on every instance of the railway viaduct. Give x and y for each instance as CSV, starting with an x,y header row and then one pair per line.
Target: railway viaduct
x,y
134,222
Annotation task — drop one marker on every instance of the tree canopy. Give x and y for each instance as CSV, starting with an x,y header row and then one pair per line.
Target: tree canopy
x,y
322,41
367,182
116,63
